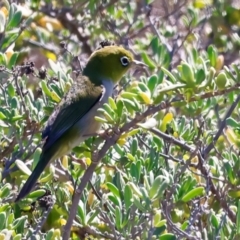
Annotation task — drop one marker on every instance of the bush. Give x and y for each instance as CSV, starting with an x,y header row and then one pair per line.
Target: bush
x,y
168,166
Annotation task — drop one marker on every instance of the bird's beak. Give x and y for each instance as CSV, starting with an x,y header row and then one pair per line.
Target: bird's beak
x,y
139,64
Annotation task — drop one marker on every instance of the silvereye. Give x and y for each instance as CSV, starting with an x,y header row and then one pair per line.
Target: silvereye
x,y
74,117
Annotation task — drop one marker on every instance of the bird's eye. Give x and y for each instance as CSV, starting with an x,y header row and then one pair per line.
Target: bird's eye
x,y
124,61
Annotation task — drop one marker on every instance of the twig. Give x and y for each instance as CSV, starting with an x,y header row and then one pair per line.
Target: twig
x,y
215,192
76,197
95,233
47,47
162,40
43,219
195,213
207,150
171,139
110,223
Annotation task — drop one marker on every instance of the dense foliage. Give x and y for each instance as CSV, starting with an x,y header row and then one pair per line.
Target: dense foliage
x,y
168,165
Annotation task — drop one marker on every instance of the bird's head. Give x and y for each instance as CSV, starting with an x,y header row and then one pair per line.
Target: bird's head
x,y
109,63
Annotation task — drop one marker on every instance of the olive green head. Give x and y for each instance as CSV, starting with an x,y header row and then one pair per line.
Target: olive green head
x,y
109,63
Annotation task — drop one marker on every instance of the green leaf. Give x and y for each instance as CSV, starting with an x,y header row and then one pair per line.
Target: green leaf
x,y
8,40
50,234
113,189
116,201
229,169
200,76
167,236
155,186
143,87
15,20
160,184
128,95
188,75
134,171
56,87
13,9
23,167
221,80
131,105
10,220
154,44
5,207
92,215
14,103
16,118
118,217
138,204
29,20
169,74
19,222
11,90
212,55
5,190
45,88
196,192
161,223
17,237
2,116
146,59
101,120
128,197
108,109
135,189
3,59
184,225
54,66
112,103
134,146
238,218
82,212
36,157
232,123
37,193
2,220
107,116
201,4
214,221
13,60
152,83
120,108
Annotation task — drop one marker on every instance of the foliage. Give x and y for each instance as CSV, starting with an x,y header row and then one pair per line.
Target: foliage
x,y
170,162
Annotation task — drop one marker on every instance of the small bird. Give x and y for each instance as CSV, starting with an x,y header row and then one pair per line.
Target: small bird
x,y
74,117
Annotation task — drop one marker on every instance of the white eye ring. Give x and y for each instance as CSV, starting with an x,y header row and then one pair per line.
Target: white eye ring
x,y
124,60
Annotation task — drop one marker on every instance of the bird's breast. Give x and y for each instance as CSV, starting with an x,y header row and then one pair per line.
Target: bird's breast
x,y
87,126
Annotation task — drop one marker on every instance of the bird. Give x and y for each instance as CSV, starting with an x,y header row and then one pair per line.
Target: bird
x,y
73,119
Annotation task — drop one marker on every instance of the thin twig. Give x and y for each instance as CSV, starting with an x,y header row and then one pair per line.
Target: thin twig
x,y
43,220
207,150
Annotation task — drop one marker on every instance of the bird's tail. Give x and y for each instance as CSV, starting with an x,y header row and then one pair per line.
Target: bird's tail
x,y
42,163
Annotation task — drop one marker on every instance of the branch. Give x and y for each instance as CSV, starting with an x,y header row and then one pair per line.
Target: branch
x,y
49,203
171,139
222,126
215,192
